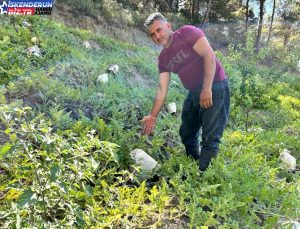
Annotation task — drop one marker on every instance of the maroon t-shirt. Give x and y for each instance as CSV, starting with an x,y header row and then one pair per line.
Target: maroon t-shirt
x,y
180,58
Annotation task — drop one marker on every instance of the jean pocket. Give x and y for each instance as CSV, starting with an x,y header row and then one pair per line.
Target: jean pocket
x,y
217,92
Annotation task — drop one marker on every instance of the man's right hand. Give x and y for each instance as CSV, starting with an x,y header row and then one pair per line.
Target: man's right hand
x,y
149,123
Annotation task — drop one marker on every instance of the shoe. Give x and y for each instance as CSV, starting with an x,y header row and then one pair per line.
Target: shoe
x,y
193,152
205,159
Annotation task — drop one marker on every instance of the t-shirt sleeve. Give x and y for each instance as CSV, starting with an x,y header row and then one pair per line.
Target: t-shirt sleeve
x,y
162,69
191,34
161,66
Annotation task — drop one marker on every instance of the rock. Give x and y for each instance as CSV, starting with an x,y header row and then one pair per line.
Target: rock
x,y
103,78
35,40
114,69
289,224
34,50
171,108
141,158
86,44
256,129
100,95
288,159
225,32
26,24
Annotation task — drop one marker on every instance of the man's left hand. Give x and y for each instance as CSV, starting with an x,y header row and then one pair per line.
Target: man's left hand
x,y
206,98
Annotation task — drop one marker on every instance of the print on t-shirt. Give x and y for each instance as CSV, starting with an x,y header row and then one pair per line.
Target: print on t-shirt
x,y
179,57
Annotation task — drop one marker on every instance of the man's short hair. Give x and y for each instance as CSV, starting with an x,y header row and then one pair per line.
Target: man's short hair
x,y
153,17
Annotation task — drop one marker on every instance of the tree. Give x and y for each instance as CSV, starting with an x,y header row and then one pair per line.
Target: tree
x,y
199,10
224,9
272,19
206,16
166,5
289,14
260,24
247,14
192,10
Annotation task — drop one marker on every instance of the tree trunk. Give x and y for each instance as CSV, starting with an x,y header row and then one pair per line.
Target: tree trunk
x,y
272,19
176,7
287,32
247,14
193,10
206,16
261,17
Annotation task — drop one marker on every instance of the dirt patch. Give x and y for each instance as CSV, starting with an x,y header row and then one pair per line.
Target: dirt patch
x,y
130,53
175,224
2,195
32,99
89,111
73,75
138,79
94,45
292,132
65,14
3,137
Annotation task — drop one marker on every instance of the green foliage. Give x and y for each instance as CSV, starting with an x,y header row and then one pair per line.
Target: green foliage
x,y
259,94
12,57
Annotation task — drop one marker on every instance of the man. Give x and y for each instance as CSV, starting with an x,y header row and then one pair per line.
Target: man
x,y
187,53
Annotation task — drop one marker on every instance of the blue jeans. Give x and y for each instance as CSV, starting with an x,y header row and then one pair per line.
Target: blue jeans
x,y
211,120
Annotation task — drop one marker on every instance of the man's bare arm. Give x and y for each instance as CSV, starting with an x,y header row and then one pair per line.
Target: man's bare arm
x,y
203,48
161,93
149,121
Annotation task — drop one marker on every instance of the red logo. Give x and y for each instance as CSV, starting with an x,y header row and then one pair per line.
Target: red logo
x,y
20,10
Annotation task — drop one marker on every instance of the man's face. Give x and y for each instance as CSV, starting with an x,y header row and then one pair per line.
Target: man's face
x,y
160,32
